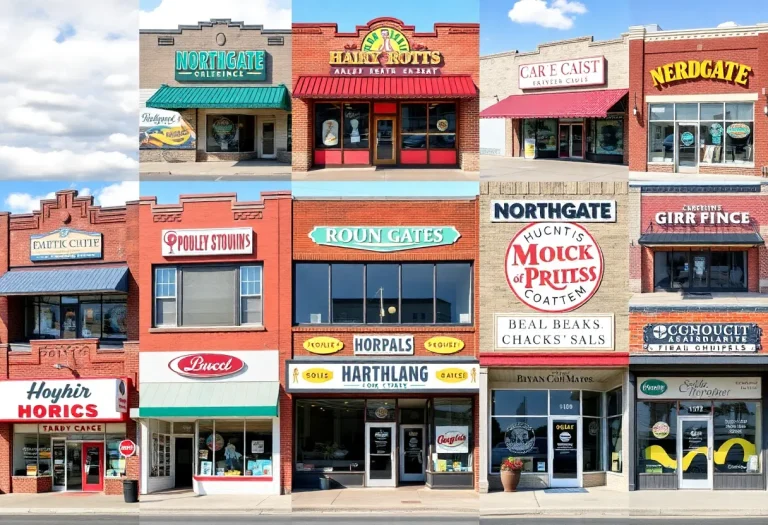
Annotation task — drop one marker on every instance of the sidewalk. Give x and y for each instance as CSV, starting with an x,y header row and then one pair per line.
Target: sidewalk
x,y
600,501
396,501
224,170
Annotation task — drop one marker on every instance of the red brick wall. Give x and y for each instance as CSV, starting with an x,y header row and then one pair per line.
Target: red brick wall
x,y
28,485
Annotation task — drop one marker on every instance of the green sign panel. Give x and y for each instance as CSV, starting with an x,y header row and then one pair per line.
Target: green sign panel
x,y
221,66
653,387
384,238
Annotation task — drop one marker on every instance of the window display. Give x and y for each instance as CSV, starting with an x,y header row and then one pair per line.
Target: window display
x,y
736,439
702,269
230,133
330,435
656,437
609,137
428,126
453,413
544,132
355,120
103,317
234,448
327,124
160,457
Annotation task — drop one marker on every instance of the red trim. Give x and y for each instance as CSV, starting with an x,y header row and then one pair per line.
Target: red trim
x,y
232,478
442,156
413,156
576,360
92,487
357,156
85,421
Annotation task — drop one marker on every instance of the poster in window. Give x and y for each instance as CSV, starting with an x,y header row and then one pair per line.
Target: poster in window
x,y
257,446
716,132
738,130
331,133
610,137
224,132
530,148
206,468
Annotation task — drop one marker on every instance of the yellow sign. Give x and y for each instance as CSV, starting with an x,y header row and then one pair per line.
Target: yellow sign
x,y
386,46
658,454
530,148
695,69
317,375
64,244
452,375
444,345
323,345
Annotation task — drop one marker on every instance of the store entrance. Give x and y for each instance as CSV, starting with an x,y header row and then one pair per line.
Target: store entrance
x,y
571,141
384,151
380,454
183,463
694,452
565,453
687,144
77,466
412,453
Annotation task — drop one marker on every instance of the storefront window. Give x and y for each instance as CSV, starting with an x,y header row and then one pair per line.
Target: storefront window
x,y
739,136
380,410
31,455
418,289
431,126
382,293
545,133
656,437
592,430
290,133
609,136
235,447
453,285
347,293
515,433
330,434
614,411
356,126
115,461
564,402
701,270
327,126
312,304
736,440
160,458
230,133
89,316
413,126
454,413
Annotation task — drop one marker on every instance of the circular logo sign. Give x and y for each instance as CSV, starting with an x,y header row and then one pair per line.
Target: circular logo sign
x,y
127,448
206,365
442,125
738,130
660,430
382,413
554,267
653,387
519,438
687,138
565,437
223,129
216,443
385,39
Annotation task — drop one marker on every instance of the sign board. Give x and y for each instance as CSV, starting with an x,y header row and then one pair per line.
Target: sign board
x,y
699,387
165,367
554,332
563,73
221,66
444,345
163,129
383,344
71,428
211,241
382,376
65,400
384,238
127,448
323,345
557,377
530,148
452,440
65,244
705,214
206,365
553,211
701,69
702,337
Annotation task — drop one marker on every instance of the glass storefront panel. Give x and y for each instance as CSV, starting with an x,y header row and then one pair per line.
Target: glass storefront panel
x,y
609,137
327,126
656,437
234,447
330,433
700,270
736,437
661,142
356,117
73,317
454,412
230,133
522,437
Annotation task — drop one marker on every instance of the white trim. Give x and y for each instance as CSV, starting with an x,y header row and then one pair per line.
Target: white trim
x,y
723,97
393,444
413,477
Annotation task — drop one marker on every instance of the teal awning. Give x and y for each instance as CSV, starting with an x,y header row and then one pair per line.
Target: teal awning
x,y
248,97
222,399
64,280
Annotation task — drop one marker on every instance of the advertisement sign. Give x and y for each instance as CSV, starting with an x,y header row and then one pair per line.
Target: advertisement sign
x,y
701,214
67,400
384,238
444,345
556,377
383,344
452,440
701,69
553,211
554,332
127,448
382,376
520,438
323,345
702,337
221,66
212,366
738,130
65,244
699,387
554,267
206,365
210,241
530,148
163,129
73,428
565,435
563,73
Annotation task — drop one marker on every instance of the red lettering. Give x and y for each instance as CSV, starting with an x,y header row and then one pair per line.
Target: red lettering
x,y
77,411
54,411
25,411
91,411
38,411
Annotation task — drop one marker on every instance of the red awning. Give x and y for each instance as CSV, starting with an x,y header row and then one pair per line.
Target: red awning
x,y
574,104
450,86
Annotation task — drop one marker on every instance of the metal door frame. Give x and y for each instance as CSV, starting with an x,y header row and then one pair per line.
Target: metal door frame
x,y
565,483
63,440
413,477
695,484
272,121
687,169
376,120
392,456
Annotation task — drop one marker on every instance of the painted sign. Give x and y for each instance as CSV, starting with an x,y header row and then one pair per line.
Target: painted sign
x,y
660,430
221,66
563,73
553,211
452,440
444,345
205,365
699,388
554,377
383,344
738,130
264,365
127,448
386,51
705,214
702,337
554,267
66,400
210,241
65,244
163,129
554,332
382,376
323,345
725,70
384,238
75,428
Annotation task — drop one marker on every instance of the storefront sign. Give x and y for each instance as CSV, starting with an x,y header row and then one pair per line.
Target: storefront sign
x,y
67,400
444,345
687,138
127,448
554,267
738,130
221,66
382,376
565,435
520,438
564,73
706,214
212,241
696,69
554,332
554,377
702,337
383,344
386,51
206,365
452,440
65,244
75,428
384,238
553,211
699,388
163,129
323,345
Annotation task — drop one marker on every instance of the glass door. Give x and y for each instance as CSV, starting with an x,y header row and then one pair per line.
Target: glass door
x,y
699,270
74,475
59,467
564,142
577,141
93,467
694,452
268,140
412,453
565,452
687,147
380,454
69,316
384,149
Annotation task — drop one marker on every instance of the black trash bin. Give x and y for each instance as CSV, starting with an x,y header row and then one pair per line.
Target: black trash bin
x,y
131,490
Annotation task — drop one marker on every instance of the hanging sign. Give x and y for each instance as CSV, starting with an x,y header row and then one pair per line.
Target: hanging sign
x,y
705,214
563,73
554,332
65,244
699,387
383,344
695,69
702,337
553,211
221,66
384,238
452,440
211,241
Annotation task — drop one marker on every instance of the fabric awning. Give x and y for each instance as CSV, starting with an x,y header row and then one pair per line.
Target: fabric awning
x,y
450,86
701,239
262,97
222,399
64,280
573,104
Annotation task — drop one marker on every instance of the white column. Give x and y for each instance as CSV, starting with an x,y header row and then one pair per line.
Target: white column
x,y
276,455
145,449
483,424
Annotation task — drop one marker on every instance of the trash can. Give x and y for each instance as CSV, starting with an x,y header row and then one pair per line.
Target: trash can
x,y
325,483
131,490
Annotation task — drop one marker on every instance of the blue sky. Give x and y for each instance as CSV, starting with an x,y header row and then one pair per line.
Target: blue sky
x,y
603,19
423,14
23,196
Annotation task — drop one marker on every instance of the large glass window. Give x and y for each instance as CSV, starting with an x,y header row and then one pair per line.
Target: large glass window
x,y
160,457
330,434
31,455
431,126
656,437
701,270
519,428
327,126
736,439
101,317
386,293
609,136
234,447
230,133
614,411
454,413
342,126
356,126
592,431
290,133
544,131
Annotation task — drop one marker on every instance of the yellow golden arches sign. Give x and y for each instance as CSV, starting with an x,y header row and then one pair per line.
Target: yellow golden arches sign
x,y
323,345
444,345
708,69
659,455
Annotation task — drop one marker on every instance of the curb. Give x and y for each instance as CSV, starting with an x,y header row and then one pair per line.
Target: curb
x,y
396,511
624,512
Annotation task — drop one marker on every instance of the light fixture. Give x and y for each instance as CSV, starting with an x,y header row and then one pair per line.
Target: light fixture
x,y
634,109
765,109
59,366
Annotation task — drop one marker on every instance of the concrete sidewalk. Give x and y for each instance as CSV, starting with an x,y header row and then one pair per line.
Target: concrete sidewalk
x,y
401,500
515,169
215,170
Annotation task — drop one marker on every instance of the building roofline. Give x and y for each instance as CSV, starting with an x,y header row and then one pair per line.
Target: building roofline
x,y
642,33
213,22
383,20
230,197
589,39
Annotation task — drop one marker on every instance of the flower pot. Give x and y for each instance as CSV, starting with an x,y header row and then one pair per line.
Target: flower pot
x,y
510,479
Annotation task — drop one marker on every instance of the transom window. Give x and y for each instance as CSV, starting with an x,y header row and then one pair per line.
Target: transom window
x,y
700,270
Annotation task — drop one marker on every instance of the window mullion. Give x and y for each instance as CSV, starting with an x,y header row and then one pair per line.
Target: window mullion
x,y
365,294
400,294
434,293
238,295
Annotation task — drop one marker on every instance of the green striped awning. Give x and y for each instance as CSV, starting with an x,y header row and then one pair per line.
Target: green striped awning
x,y
262,97
209,399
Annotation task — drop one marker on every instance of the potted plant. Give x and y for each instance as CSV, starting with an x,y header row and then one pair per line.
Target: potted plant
x,y
510,473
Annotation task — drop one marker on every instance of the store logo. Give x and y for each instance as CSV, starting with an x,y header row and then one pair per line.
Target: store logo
x,y
444,345
382,413
64,244
660,430
725,70
316,375
452,375
554,267
206,365
323,345
210,241
452,439
738,130
687,138
653,387
565,437
519,438
384,239
220,66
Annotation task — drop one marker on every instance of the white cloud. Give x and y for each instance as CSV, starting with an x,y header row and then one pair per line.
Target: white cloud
x,y
117,194
728,24
24,202
28,119
112,195
554,15
18,162
123,141
273,14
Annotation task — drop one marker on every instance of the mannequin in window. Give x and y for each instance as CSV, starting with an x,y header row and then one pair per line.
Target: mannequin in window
x,y
736,275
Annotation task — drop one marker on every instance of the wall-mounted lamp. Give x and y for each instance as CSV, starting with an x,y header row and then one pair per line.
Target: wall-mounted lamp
x,y
765,109
634,109
59,366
